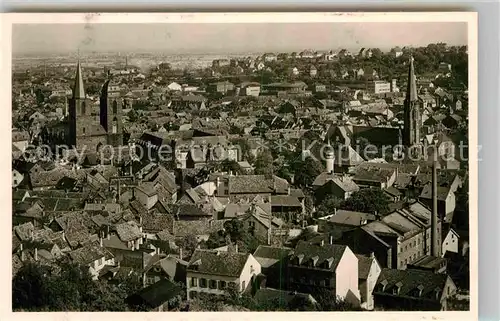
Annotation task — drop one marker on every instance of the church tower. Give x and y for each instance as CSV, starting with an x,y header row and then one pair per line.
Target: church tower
x,y
412,112
79,111
111,113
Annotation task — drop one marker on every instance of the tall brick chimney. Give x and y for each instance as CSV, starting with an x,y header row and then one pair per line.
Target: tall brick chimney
x,y
434,215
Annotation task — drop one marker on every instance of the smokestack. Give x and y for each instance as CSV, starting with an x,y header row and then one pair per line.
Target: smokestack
x,y
180,253
434,217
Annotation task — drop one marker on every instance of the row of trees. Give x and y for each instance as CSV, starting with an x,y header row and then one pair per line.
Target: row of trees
x,y
325,301
37,288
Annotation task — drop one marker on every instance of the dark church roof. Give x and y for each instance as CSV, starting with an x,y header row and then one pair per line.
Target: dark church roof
x,y
78,90
411,92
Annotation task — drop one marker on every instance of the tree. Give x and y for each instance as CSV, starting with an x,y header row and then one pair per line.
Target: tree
x,y
235,229
264,163
35,288
368,200
29,288
230,166
329,302
132,116
189,243
306,170
216,239
328,205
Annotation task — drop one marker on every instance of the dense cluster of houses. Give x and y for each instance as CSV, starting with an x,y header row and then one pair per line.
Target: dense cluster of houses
x,y
130,217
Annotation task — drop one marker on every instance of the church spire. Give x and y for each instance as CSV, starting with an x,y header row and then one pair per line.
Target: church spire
x,y
78,89
411,91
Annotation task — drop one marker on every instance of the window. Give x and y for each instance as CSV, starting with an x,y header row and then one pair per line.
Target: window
x,y
83,130
84,108
194,282
115,107
203,283
15,181
222,285
212,284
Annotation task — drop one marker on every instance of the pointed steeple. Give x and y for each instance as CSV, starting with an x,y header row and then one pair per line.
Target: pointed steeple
x,y
78,89
411,91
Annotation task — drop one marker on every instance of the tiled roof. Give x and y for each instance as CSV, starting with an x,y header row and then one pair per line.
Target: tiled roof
x,y
270,255
24,231
282,297
158,293
89,253
330,253
411,282
218,263
285,201
380,228
249,184
350,218
128,231
147,188
442,192
152,222
188,210
197,227
373,174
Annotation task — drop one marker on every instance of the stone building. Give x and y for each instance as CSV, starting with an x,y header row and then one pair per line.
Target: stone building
x,y
87,127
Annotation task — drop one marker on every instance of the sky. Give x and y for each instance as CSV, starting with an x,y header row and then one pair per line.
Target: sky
x,y
230,38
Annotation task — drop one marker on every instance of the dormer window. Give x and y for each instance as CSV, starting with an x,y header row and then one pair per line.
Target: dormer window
x,y
300,257
437,291
383,285
327,264
397,288
420,289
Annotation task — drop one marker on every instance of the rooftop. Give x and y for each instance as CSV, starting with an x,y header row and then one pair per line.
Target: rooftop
x,y
218,262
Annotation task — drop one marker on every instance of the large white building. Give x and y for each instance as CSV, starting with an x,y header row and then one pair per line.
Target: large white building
x,y
379,87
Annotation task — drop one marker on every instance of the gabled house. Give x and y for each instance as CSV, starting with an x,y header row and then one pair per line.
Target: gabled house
x,y
413,290
170,267
451,242
93,256
340,186
261,224
213,272
446,200
329,266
